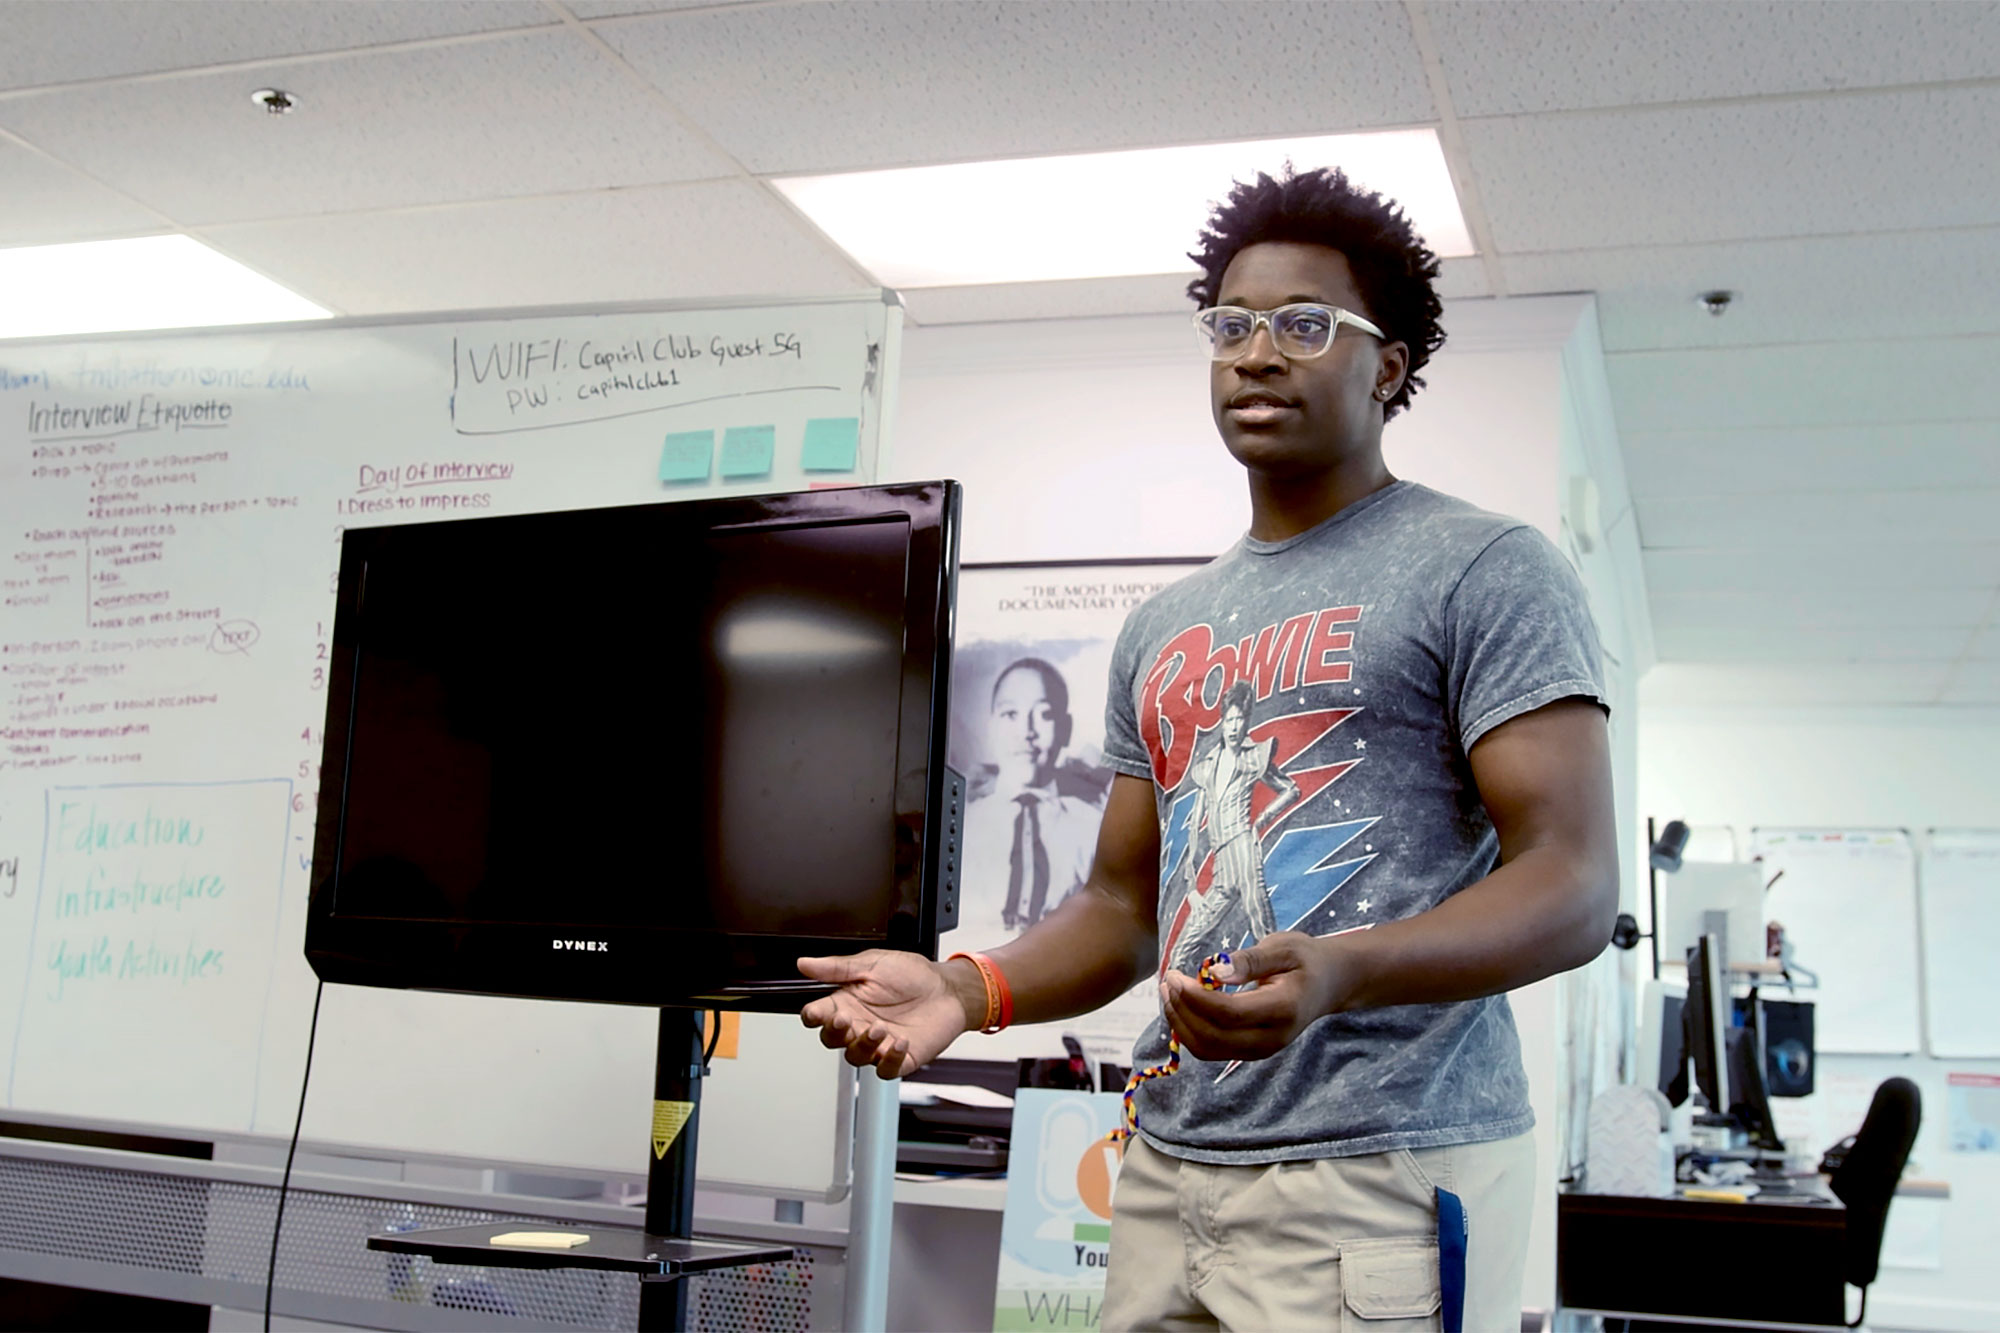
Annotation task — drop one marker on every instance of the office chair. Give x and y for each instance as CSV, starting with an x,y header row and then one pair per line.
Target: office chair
x,y
1866,1178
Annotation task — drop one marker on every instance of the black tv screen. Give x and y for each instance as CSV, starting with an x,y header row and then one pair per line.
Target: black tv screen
x,y
648,754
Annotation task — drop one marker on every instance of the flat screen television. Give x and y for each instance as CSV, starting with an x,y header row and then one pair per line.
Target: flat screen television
x,y
646,755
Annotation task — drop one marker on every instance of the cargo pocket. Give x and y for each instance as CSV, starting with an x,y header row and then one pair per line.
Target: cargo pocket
x,y
1390,1285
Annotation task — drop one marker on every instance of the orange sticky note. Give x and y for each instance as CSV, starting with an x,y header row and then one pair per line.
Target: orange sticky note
x,y
725,1041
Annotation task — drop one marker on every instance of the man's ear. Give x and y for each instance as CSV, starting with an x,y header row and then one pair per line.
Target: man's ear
x,y
1395,368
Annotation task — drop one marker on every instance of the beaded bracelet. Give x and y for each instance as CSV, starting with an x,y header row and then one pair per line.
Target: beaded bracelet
x,y
1206,975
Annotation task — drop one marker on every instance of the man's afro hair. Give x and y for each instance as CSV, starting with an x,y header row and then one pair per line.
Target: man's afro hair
x,y
1395,271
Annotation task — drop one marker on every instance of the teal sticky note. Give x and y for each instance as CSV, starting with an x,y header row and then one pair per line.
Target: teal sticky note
x,y
747,451
686,455
832,444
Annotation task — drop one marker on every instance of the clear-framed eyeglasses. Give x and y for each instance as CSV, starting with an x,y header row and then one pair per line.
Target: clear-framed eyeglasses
x,y
1299,331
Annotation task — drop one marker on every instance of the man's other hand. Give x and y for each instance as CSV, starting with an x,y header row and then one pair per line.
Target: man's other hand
x,y
894,1010
1297,983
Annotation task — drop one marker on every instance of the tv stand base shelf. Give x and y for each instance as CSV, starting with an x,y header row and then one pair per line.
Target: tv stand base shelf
x,y
616,1249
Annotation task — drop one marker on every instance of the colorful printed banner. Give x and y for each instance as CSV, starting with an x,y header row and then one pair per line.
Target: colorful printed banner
x,y
1055,1236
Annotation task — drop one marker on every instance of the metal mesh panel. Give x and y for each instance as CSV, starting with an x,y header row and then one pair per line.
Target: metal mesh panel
x,y
324,1250
129,1218
764,1298
143,1221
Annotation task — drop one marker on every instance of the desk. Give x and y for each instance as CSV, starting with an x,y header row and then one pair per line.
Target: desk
x,y
1685,1259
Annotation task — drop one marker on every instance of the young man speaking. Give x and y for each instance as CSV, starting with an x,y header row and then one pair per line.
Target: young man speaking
x,y
1425,819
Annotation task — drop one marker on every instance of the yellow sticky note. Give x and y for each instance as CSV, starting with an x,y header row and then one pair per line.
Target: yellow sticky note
x,y
546,1240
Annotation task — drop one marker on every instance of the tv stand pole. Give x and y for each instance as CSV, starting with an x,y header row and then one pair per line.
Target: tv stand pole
x,y
677,1076
664,1253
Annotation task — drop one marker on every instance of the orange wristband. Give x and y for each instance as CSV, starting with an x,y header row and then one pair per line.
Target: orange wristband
x,y
1006,995
999,999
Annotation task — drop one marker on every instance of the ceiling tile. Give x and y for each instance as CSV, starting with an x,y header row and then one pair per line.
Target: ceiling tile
x,y
1461,279
1529,55
840,86
539,113
1791,643
45,203
1768,459
1794,289
1804,166
1822,605
1973,683
60,41
1819,517
1856,566
603,9
1834,518
1705,684
1824,384
682,242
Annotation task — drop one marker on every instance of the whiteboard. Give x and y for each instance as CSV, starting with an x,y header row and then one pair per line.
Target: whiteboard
x,y
171,513
1961,916
1848,902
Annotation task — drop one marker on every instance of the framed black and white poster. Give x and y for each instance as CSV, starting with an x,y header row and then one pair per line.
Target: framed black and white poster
x,y
1030,669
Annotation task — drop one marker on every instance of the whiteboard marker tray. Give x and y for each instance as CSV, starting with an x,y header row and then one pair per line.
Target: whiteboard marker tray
x,y
619,1249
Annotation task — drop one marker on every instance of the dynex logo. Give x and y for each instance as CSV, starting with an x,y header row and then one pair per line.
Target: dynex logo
x,y
588,946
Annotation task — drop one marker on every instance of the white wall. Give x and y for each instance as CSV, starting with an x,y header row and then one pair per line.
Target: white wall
x,y
1598,1002
1913,768
1092,438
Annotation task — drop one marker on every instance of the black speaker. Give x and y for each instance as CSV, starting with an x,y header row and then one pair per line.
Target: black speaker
x,y
1788,1048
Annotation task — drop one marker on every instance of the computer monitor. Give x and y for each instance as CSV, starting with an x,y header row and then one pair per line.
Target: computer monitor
x,y
1705,1019
649,755
1724,1041
1750,1105
1661,1054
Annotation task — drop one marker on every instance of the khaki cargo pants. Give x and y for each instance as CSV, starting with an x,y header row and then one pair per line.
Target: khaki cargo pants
x,y
1345,1243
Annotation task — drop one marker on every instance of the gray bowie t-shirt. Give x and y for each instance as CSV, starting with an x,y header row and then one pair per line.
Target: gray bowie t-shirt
x,y
1377,648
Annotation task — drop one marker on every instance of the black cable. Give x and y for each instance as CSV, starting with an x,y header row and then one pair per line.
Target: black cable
x,y
714,1036
285,1185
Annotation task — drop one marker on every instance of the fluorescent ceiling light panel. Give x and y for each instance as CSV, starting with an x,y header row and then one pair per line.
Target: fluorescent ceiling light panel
x,y
149,282
1097,215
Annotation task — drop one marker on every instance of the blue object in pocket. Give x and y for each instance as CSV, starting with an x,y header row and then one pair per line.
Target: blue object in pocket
x,y
1453,1232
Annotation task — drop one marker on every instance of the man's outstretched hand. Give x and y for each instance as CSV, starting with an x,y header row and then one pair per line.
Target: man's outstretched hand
x,y
896,1011
1298,983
